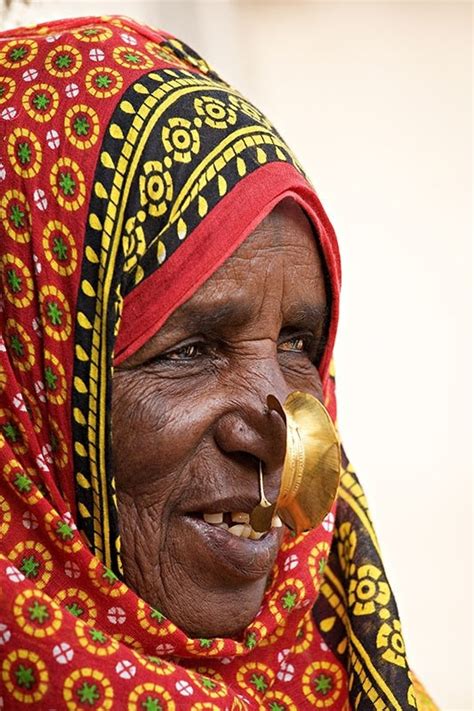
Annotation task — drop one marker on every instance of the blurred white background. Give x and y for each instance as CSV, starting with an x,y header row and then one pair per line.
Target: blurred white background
x,y
375,98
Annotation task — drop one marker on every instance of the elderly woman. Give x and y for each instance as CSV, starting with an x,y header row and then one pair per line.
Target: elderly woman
x,y
169,534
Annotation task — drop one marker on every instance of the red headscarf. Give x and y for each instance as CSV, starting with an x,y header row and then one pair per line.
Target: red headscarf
x,y
123,157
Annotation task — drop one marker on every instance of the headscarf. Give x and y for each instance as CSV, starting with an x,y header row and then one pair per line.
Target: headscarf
x,y
129,173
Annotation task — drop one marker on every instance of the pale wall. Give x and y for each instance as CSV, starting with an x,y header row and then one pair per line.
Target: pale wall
x,y
375,99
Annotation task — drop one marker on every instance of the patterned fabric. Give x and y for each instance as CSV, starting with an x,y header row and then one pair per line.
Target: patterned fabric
x,y
122,155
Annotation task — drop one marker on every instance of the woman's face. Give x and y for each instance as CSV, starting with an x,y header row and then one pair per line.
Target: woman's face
x,y
190,426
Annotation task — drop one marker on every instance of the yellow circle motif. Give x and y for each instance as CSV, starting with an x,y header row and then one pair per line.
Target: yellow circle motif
x,y
215,112
94,640
103,82
317,561
132,58
286,597
12,431
36,614
33,668
104,579
256,678
63,61
322,684
7,89
164,53
19,345
60,248
25,152
41,102
78,603
155,664
80,681
58,444
17,280
54,379
15,216
304,634
208,681
281,701
61,533
93,33
153,691
81,125
153,621
22,480
156,188
18,53
56,314
29,557
68,184
181,139
5,517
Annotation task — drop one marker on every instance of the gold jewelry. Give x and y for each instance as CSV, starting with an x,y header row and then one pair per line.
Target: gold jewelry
x,y
262,514
312,465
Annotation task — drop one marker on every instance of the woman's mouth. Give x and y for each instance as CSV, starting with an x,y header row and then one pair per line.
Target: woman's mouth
x,y
227,536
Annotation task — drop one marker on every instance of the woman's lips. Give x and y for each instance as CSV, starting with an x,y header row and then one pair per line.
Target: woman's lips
x,y
242,558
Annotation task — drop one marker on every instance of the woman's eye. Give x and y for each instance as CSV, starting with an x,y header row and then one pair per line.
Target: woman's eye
x,y
188,352
297,343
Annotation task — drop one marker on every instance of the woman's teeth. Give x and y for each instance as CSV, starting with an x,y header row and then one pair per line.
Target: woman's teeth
x,y
240,524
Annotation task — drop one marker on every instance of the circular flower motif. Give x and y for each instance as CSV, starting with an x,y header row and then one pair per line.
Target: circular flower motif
x,y
367,590
25,676
304,634
153,621
33,560
322,683
255,678
19,345
81,125
150,696
104,579
22,480
63,61
5,517
181,139
59,448
88,688
60,248
62,534
25,152
134,243
249,110
165,53
346,545
78,603
390,637
12,432
214,112
286,598
132,58
7,89
15,216
68,184
55,313
317,561
17,281
54,379
208,682
94,640
41,102
17,53
156,188
36,614
93,33
103,82
279,701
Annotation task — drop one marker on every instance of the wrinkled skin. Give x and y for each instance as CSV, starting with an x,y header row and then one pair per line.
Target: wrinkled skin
x,y
190,424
